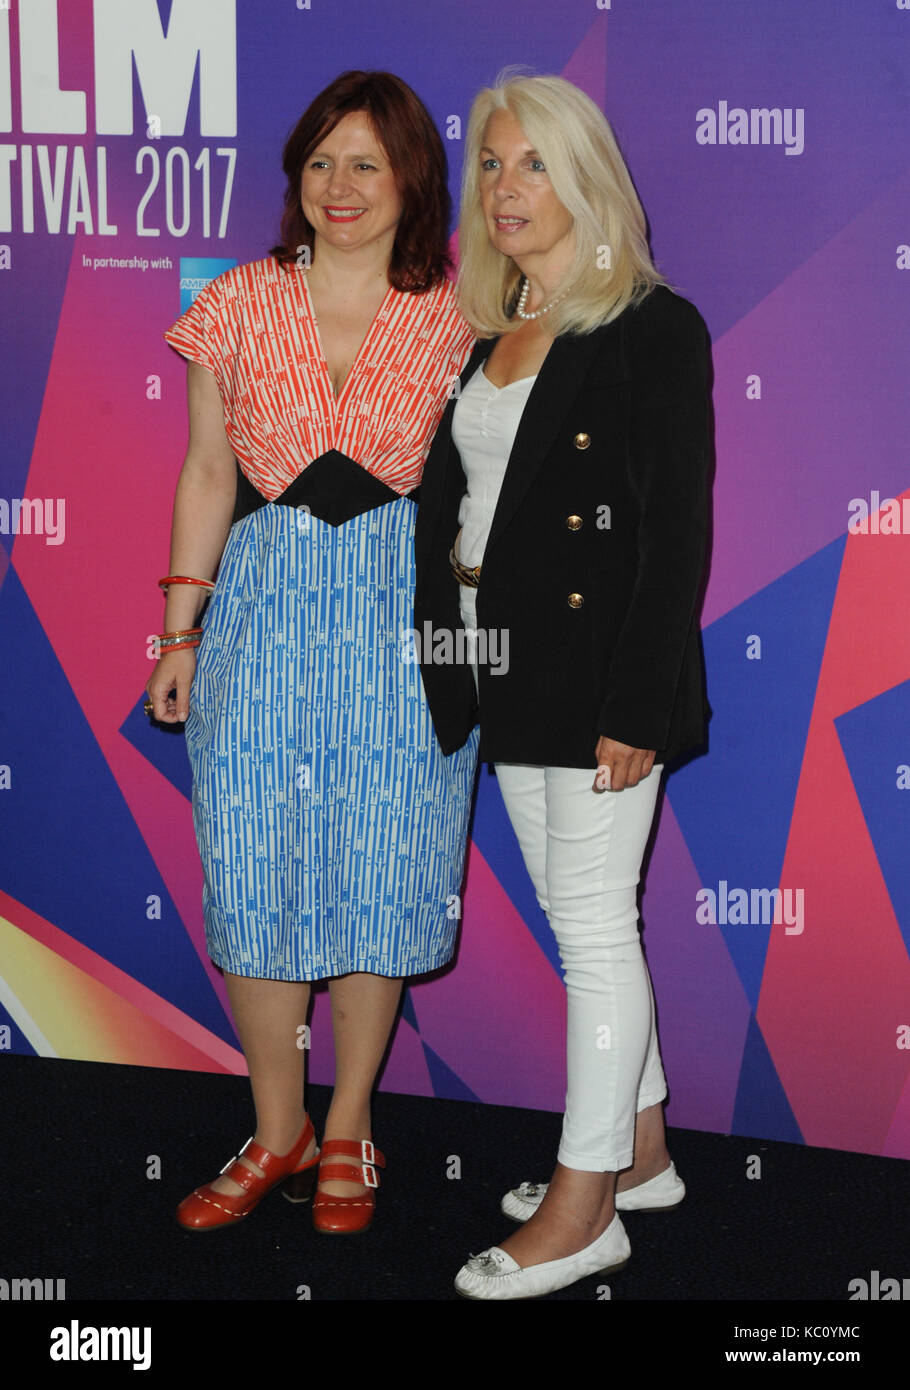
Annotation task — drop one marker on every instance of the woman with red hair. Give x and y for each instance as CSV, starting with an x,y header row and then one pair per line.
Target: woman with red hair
x,y
330,825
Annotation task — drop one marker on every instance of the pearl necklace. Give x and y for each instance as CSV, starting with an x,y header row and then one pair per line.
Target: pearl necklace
x,y
523,299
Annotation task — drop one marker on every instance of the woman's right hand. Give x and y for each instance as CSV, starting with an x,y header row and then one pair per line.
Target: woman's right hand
x,y
203,507
173,672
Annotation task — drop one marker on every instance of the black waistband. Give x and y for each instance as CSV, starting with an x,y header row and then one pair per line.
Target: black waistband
x,y
333,488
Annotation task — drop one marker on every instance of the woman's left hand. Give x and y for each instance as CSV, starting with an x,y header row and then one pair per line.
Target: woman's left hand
x,y
620,766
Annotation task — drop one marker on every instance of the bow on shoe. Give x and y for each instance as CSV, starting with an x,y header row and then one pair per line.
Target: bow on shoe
x,y
492,1261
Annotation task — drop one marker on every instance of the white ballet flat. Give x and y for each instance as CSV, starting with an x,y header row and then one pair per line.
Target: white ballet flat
x,y
494,1274
658,1194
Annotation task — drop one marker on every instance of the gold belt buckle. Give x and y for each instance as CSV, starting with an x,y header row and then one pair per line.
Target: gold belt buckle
x,y
464,573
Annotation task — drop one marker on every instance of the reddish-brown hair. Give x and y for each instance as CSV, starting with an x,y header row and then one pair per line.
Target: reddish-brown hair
x,y
415,151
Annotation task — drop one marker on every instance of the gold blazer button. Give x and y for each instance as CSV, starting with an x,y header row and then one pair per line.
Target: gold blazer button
x,y
575,600
574,523
581,441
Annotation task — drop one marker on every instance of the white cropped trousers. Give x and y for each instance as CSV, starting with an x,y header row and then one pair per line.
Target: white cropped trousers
x,y
583,851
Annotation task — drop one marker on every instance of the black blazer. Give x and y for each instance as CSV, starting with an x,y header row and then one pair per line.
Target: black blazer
x,y
596,552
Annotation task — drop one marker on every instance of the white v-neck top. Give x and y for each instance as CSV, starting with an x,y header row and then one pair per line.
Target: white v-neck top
x,y
484,424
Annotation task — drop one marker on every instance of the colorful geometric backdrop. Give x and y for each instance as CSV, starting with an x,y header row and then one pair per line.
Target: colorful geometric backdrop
x,y
788,229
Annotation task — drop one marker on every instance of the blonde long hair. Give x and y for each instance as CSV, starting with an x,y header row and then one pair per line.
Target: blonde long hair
x,y
612,266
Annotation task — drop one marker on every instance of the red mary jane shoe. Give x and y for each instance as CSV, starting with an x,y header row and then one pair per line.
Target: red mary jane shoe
x,y
344,1216
208,1210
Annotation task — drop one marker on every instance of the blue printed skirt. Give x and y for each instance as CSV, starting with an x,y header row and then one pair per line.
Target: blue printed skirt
x,y
332,830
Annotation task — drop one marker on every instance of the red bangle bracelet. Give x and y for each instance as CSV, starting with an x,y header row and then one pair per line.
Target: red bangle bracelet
x,y
184,579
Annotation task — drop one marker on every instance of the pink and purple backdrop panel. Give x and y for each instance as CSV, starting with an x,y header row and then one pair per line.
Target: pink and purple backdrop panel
x,y
788,231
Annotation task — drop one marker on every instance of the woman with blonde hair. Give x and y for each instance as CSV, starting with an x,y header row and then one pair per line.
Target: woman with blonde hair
x,y
565,503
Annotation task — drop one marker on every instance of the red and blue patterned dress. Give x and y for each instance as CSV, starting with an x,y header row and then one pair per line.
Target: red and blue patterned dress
x,y
332,829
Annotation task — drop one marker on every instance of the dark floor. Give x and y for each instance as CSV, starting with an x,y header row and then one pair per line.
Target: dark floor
x,y
76,1201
